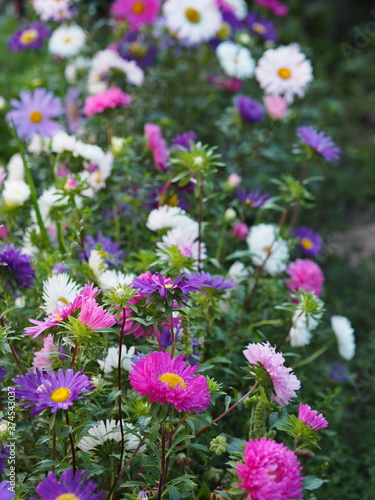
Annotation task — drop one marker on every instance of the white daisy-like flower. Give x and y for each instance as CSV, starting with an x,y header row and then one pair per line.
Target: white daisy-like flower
x,y
67,41
237,272
37,145
97,178
300,333
192,21
111,360
15,193
268,248
90,152
235,60
106,431
113,279
15,168
73,69
49,199
61,141
344,332
185,238
166,217
284,71
59,290
97,263
56,10
239,8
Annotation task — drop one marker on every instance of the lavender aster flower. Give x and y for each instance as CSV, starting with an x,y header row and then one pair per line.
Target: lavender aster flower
x,y
4,454
108,249
15,267
265,29
216,282
310,243
138,48
30,36
34,113
251,111
319,142
3,373
183,140
74,114
5,492
253,199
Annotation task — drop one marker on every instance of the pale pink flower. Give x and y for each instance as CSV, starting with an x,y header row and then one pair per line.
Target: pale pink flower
x,y
109,99
276,106
234,180
43,359
157,145
95,316
240,230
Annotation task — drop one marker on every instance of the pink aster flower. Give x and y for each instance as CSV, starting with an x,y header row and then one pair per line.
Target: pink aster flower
x,y
158,146
240,230
170,380
284,382
109,99
305,275
311,417
274,6
136,12
95,316
43,359
271,471
276,106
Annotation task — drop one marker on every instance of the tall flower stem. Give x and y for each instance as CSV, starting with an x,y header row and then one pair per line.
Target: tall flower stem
x,y
74,355
163,471
119,387
296,208
200,219
172,336
74,459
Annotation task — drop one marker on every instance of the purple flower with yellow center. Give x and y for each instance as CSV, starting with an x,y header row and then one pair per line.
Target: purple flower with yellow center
x,y
15,267
319,142
137,48
50,390
107,248
72,486
264,29
216,282
310,243
5,492
34,113
251,111
252,198
30,36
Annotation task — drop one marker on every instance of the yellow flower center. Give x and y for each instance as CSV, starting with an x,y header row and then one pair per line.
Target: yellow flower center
x,y
306,243
138,7
224,31
168,285
67,496
173,201
172,380
268,249
192,15
57,316
138,50
259,28
284,73
60,395
28,36
36,117
68,39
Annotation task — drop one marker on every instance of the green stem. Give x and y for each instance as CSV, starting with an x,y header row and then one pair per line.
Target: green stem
x,y
313,356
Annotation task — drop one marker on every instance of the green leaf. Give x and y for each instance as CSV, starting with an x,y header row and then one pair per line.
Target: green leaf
x,y
312,483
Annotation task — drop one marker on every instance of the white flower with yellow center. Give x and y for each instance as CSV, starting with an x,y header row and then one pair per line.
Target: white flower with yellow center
x,y
235,60
267,248
59,290
67,41
15,193
192,21
345,336
284,71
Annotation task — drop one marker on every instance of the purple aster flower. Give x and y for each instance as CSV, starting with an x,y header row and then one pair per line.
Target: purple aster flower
x,y
74,113
107,248
34,113
4,454
60,267
230,25
71,486
310,243
311,417
50,390
250,111
319,142
166,341
30,36
216,282
338,372
15,267
5,492
252,199
265,29
183,140
3,373
138,48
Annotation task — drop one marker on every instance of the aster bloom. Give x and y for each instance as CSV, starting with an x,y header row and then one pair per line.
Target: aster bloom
x,y
30,36
67,41
158,146
59,290
74,113
192,21
72,486
305,275
15,193
265,29
111,360
170,380
338,372
43,359
3,373
95,316
53,10
276,106
235,60
344,332
108,249
5,492
301,331
15,267
216,282
34,113
184,140
139,47
185,239
4,454
240,230
109,430
284,71
169,217
109,99
284,382
250,111
275,6
319,142
270,471
310,243
224,82
311,417
136,12
268,248
50,390
253,199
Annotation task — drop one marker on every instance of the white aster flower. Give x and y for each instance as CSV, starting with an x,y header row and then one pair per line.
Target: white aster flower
x,y
56,10
192,21
185,238
345,336
90,152
113,279
16,169
237,272
106,431
3,103
97,178
49,199
67,41
166,217
235,60
73,69
37,145
61,141
284,71
97,264
300,333
15,193
239,7
59,290
111,360
268,248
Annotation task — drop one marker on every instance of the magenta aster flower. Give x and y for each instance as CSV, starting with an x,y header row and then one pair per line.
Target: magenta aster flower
x,y
71,487
34,113
284,382
112,98
240,230
275,6
319,142
30,36
136,12
5,492
271,471
167,380
95,316
305,275
311,417
158,146
310,243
